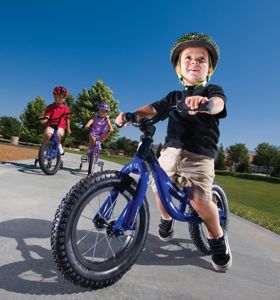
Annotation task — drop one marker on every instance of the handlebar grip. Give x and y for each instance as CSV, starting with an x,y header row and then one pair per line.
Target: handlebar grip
x,y
128,117
182,106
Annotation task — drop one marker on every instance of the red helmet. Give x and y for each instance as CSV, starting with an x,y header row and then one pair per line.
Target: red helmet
x,y
60,90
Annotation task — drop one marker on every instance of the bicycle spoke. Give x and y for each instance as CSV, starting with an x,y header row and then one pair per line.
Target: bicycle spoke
x,y
109,245
78,242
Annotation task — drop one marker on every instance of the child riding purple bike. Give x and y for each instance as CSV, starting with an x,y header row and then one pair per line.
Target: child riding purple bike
x,y
100,128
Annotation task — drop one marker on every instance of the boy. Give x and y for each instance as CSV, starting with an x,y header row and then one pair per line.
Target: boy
x,y
192,138
54,111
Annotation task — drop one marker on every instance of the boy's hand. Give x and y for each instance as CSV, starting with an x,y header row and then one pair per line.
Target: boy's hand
x,y
193,102
43,119
68,130
120,120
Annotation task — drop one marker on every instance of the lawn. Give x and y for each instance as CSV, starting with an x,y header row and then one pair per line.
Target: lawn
x,y
255,199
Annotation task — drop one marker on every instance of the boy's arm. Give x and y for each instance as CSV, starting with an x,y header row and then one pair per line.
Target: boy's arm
x,y
47,114
144,111
44,120
218,105
68,129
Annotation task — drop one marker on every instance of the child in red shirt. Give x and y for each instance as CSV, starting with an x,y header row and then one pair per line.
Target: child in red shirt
x,y
54,111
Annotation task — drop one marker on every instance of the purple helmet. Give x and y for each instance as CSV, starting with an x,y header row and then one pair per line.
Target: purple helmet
x,y
103,106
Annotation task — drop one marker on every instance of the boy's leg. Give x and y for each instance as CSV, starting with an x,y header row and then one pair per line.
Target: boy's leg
x,y
168,161
60,134
166,225
208,212
198,171
48,134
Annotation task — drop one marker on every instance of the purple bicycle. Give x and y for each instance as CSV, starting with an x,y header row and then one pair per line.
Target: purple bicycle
x,y
93,157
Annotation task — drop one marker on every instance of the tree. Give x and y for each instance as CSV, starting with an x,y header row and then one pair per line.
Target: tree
x,y
265,155
239,154
220,162
86,105
9,126
32,129
276,164
125,144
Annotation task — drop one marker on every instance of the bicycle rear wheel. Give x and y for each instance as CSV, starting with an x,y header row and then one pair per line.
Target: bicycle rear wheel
x,y
85,248
198,232
49,158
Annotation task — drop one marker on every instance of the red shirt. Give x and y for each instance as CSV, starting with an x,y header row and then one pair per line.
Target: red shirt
x,y
54,111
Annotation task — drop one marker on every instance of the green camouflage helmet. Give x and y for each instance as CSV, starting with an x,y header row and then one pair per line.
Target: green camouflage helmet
x,y
195,39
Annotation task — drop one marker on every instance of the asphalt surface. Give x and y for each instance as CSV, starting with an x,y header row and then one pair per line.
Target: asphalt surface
x,y
174,270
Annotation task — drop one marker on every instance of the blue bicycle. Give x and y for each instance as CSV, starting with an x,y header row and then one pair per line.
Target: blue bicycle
x,y
49,156
101,225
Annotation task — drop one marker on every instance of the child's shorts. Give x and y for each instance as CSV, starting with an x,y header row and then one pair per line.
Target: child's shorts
x,y
50,130
188,169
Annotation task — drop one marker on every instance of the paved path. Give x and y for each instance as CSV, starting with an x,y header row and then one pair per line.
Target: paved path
x,y
174,270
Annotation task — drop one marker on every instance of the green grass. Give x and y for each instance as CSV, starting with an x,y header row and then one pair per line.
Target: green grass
x,y
254,199
119,159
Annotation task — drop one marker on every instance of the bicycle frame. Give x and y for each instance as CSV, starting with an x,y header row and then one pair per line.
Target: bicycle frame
x,y
95,149
54,138
165,187
53,154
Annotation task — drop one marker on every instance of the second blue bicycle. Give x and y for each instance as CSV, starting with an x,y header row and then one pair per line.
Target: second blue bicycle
x,y
49,156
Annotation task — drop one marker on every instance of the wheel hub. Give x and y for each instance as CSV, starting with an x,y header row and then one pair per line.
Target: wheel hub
x,y
110,232
100,224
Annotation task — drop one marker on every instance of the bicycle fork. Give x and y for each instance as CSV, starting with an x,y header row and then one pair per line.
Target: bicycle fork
x,y
126,220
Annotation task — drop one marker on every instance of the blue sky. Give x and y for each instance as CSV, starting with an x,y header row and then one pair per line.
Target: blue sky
x,y
127,44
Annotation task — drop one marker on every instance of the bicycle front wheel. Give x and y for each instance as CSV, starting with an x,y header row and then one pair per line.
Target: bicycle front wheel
x,y
91,162
198,232
85,249
49,158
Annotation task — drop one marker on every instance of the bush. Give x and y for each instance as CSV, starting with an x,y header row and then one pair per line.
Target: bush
x,y
9,126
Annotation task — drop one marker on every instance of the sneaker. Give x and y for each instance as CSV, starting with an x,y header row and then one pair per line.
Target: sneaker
x,y
221,254
166,229
61,151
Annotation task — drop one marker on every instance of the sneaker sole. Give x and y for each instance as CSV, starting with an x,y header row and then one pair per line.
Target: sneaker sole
x,y
223,268
166,239
170,237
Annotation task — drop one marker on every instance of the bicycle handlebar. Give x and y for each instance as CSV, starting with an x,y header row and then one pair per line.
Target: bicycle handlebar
x,y
54,119
180,107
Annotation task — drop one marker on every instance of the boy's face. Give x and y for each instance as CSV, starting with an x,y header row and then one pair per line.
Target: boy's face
x,y
59,99
193,65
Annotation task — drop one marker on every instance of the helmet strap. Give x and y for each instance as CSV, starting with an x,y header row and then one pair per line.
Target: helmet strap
x,y
196,86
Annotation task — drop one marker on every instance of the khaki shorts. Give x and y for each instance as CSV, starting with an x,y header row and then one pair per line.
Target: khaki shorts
x,y
190,170
50,130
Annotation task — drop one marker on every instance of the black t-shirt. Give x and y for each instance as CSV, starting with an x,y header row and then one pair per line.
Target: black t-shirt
x,y
196,133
